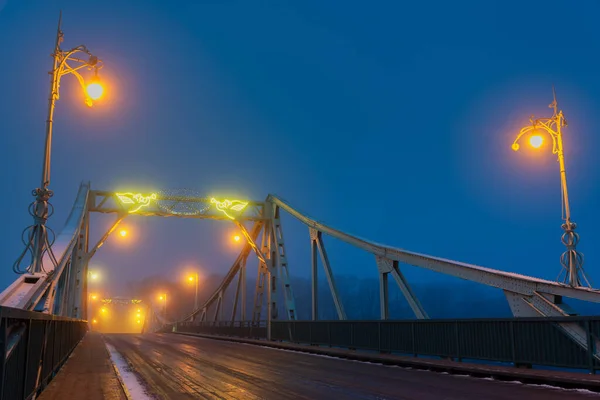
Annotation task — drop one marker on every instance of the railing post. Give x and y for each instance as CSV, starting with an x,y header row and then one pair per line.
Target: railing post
x,y
457,340
28,333
414,343
379,336
512,342
2,355
590,346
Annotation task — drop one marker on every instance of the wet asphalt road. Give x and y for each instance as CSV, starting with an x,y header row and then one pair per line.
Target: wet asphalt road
x,y
184,367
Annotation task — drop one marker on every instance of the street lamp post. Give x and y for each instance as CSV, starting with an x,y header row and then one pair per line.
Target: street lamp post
x,y
194,278
163,297
571,259
64,63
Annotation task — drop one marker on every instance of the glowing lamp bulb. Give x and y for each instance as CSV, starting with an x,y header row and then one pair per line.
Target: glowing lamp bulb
x,y
103,310
94,90
123,232
191,279
236,238
94,322
536,141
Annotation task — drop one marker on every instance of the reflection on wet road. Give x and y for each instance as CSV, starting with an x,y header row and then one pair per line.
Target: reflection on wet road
x,y
184,367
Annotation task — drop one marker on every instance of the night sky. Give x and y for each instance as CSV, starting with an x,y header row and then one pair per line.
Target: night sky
x,y
389,120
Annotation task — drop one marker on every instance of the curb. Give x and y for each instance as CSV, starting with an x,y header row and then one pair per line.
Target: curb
x,y
540,377
119,377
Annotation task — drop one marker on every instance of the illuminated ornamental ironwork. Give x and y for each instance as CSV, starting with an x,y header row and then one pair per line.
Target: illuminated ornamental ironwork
x,y
36,237
571,260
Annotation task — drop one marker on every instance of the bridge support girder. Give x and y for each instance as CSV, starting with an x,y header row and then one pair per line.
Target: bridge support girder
x,y
385,267
549,305
316,238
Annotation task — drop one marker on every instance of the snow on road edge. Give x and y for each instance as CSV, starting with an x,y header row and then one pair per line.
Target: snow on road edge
x,y
130,380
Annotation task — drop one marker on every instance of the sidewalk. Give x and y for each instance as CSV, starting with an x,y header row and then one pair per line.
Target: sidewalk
x,y
567,380
87,375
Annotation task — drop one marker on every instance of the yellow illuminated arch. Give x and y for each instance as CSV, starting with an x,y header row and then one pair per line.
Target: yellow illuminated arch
x,y
226,206
137,199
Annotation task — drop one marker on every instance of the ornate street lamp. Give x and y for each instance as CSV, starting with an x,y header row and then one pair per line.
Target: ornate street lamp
x,y
64,63
571,259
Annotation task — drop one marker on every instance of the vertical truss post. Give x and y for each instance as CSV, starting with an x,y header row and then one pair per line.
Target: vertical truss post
x,y
270,253
314,274
281,264
237,293
387,266
219,309
270,304
384,295
260,280
243,289
325,260
79,264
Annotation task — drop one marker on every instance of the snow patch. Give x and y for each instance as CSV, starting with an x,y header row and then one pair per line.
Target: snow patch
x,y
131,381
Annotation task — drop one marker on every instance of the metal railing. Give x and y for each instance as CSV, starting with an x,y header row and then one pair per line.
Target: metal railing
x,y
520,341
517,341
33,346
242,329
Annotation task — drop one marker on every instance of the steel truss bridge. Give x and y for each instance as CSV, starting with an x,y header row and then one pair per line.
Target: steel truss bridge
x,y
60,290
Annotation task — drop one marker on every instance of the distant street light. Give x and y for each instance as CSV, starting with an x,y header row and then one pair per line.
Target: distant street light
x,y
236,238
163,298
571,259
194,279
93,275
123,233
38,242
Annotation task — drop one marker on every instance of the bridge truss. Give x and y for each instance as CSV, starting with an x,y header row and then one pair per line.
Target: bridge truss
x,y
61,289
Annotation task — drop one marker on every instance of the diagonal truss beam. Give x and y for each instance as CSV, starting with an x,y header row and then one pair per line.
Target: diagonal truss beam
x,y
524,285
317,238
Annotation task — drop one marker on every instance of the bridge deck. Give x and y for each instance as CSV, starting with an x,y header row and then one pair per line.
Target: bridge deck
x,y
187,367
87,375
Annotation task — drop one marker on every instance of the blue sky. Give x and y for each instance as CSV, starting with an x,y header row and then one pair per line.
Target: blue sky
x,y
389,120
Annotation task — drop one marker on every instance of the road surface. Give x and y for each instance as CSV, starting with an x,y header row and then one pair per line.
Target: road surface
x,y
185,367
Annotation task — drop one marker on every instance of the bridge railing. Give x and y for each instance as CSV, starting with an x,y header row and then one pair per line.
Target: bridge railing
x,y
242,329
33,347
516,341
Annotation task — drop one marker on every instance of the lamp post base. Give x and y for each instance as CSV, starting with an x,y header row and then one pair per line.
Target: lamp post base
x,y
36,237
571,259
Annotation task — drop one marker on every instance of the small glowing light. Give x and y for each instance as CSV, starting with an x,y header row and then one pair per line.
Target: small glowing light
x,y
137,199
236,238
226,206
139,310
103,310
94,90
139,322
94,276
94,297
94,321
123,232
161,297
536,141
191,279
